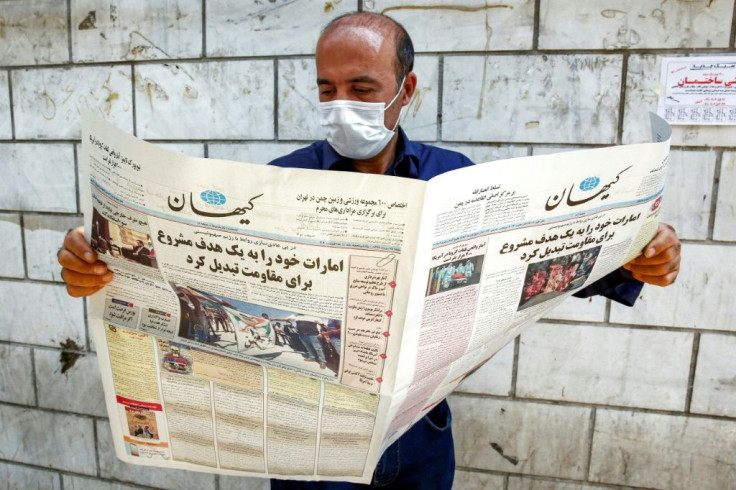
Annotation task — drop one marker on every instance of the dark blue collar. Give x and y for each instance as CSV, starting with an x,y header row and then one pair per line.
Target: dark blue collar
x,y
406,163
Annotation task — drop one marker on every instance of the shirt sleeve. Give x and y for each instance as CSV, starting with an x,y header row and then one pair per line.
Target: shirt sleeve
x,y
619,286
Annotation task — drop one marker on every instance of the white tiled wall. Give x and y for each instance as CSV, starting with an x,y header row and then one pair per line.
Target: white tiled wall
x,y
531,98
5,122
503,435
135,30
34,33
38,177
10,233
633,24
725,221
48,103
268,28
605,365
205,100
715,376
481,26
661,451
594,396
699,299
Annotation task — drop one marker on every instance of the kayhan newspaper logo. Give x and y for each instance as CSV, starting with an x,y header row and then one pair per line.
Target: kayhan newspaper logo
x,y
586,185
590,183
211,199
215,198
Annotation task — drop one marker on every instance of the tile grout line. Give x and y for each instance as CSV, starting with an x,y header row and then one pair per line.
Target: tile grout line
x,y
85,476
98,469
306,141
10,103
275,100
133,100
58,411
497,53
544,478
24,253
598,405
732,43
515,367
535,27
589,440
88,339
440,89
69,29
714,194
691,374
204,29
622,99
34,380
77,183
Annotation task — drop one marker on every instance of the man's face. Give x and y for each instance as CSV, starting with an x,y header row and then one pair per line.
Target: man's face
x,y
357,63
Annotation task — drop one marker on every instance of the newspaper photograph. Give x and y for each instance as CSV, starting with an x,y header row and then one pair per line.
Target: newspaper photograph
x,y
290,323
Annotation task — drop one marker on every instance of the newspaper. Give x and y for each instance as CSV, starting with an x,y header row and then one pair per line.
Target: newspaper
x,y
292,323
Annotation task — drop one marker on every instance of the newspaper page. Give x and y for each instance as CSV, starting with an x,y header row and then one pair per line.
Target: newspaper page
x,y
254,313
698,90
502,243
288,323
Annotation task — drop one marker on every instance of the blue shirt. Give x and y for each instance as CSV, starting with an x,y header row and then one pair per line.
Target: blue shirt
x,y
413,160
419,161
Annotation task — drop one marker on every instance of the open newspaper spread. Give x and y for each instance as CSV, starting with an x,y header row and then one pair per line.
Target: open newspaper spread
x,y
292,323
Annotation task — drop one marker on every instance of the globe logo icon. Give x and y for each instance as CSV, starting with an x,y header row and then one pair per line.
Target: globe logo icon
x,y
589,184
213,197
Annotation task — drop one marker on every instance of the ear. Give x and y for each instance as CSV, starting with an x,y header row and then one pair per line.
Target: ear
x,y
410,84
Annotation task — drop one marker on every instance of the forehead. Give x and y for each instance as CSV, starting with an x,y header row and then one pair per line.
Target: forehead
x,y
353,51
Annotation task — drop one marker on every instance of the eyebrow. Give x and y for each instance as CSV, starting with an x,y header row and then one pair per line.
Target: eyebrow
x,y
359,79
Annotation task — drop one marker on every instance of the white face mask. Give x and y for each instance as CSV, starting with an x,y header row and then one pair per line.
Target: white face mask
x,y
355,129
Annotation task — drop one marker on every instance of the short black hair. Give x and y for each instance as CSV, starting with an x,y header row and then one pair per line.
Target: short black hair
x,y
404,61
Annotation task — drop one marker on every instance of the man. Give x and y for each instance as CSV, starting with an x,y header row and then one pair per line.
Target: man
x,y
309,329
364,64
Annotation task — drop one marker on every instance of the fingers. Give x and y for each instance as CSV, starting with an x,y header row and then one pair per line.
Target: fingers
x,y
78,292
81,271
663,257
665,238
664,280
79,279
660,262
653,270
70,261
663,248
75,243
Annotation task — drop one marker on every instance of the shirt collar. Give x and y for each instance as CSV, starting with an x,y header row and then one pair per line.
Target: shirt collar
x,y
406,162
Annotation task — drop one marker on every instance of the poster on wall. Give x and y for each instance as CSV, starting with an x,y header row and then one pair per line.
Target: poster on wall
x,y
698,90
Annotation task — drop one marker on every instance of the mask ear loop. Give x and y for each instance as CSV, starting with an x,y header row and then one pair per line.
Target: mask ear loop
x,y
401,111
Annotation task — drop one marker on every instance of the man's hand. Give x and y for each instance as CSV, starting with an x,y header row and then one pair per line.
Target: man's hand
x,y
659,264
82,272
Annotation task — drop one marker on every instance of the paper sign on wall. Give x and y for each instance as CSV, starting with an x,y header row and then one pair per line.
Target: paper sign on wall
x,y
699,90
